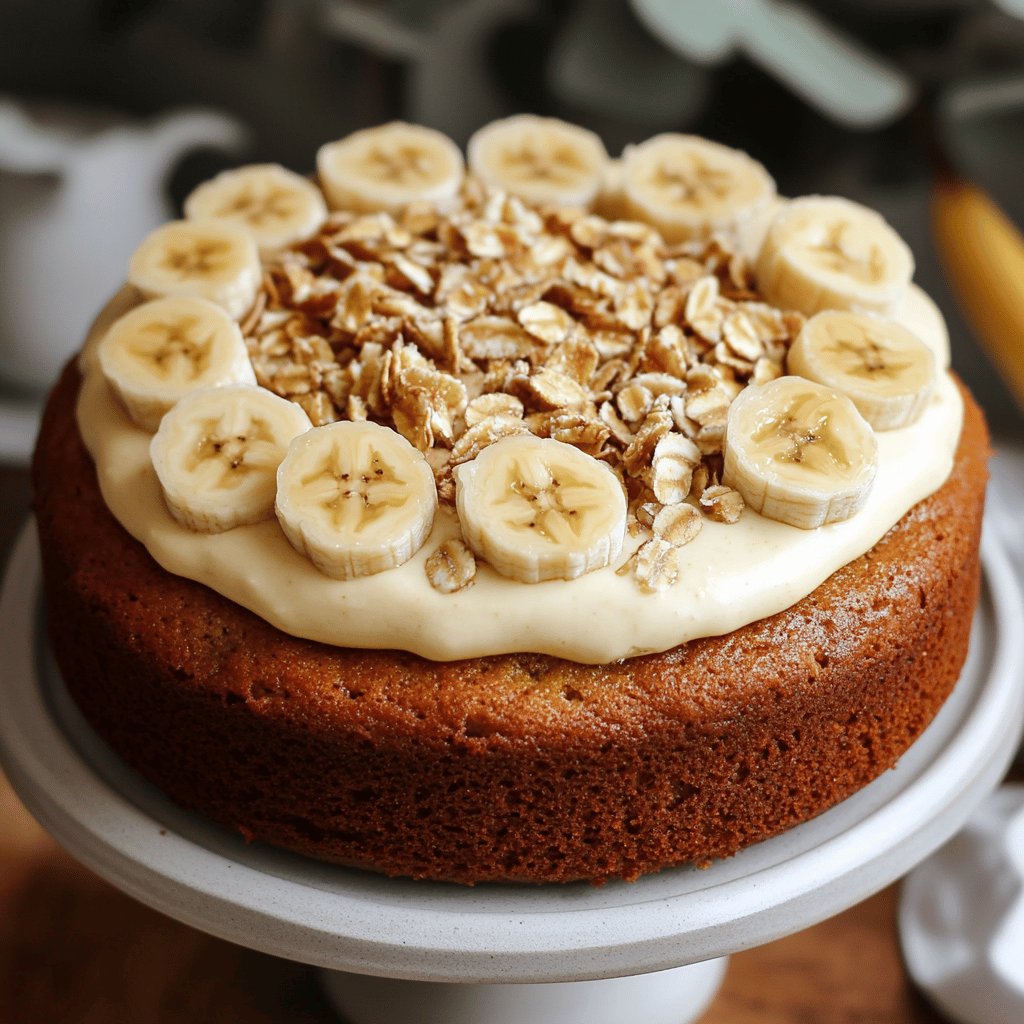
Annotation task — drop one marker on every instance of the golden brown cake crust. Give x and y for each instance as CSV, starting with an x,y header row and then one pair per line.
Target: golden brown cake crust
x,y
517,767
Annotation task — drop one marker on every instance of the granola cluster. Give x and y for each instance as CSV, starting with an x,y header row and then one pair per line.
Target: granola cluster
x,y
464,326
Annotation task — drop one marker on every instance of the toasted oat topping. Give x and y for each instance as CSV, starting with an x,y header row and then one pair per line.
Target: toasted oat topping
x,y
494,318
721,503
677,524
451,567
657,564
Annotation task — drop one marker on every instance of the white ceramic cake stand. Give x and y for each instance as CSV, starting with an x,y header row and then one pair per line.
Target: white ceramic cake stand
x,y
427,953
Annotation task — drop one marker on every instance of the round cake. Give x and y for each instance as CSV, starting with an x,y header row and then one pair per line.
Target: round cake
x,y
692,642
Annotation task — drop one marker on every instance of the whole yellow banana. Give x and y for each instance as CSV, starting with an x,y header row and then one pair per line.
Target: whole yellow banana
x,y
983,253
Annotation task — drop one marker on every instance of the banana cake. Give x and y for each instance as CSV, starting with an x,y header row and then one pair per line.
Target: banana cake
x,y
552,518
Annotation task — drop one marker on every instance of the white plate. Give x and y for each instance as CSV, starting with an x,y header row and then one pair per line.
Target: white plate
x,y
355,921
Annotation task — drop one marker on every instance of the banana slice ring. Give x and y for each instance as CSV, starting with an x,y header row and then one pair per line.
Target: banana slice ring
x,y
824,252
688,187
799,452
219,262
538,509
216,455
540,159
387,167
158,352
355,498
275,205
885,370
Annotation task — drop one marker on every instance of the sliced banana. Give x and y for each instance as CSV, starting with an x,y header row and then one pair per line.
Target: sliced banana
x,y
386,167
275,205
799,452
538,509
823,252
219,262
688,187
160,351
540,159
885,370
217,452
355,498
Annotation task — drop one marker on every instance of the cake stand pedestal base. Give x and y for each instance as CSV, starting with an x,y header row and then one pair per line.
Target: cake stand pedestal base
x,y
650,950
676,996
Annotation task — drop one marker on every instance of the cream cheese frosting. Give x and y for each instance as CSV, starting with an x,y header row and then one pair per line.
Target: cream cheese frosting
x,y
730,574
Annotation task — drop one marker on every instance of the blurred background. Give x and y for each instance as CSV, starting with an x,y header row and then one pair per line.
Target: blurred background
x,y
112,110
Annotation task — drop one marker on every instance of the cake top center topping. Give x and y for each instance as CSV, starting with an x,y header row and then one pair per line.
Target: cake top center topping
x,y
462,326
582,395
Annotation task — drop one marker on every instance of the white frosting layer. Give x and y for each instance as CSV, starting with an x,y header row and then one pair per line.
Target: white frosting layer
x,y
731,575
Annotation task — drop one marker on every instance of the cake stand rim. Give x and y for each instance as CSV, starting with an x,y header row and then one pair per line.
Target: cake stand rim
x,y
377,935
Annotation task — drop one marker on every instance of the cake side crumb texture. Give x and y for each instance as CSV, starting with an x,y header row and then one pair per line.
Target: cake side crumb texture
x,y
515,767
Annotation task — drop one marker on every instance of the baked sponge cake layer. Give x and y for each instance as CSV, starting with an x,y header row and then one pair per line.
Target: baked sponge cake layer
x,y
520,767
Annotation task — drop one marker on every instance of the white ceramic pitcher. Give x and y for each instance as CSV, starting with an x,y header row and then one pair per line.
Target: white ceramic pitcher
x,y
78,192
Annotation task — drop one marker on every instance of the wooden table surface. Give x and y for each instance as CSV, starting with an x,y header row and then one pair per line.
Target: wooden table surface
x,y
74,950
